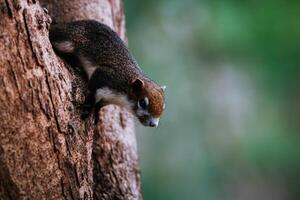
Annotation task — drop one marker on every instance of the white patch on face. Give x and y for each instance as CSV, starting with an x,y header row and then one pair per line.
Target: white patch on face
x,y
64,46
88,66
109,96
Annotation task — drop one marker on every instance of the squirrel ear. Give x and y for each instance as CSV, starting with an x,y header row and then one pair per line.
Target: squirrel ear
x,y
163,87
137,85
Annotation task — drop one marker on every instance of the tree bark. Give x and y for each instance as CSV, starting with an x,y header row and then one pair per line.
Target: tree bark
x,y
46,150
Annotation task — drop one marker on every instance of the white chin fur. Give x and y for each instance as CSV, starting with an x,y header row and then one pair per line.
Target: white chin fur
x,y
155,121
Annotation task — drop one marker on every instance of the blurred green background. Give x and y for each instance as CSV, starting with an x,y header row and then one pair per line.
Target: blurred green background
x,y
231,126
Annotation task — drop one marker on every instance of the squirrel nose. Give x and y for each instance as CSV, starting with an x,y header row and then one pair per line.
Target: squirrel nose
x,y
154,122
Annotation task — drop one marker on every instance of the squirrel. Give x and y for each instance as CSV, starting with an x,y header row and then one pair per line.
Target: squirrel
x,y
114,77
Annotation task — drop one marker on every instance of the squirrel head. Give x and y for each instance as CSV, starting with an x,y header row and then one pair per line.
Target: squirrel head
x,y
149,101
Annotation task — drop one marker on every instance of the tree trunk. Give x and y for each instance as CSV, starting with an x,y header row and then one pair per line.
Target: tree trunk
x,y
46,150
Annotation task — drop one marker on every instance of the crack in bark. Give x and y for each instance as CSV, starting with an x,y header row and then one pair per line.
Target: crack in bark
x,y
28,35
63,189
53,106
68,147
40,100
15,80
51,138
9,10
76,175
33,98
4,86
59,93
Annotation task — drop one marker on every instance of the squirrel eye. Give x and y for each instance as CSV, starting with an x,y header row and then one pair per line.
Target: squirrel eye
x,y
143,103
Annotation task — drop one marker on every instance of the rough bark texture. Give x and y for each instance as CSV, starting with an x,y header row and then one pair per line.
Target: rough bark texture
x,y
46,150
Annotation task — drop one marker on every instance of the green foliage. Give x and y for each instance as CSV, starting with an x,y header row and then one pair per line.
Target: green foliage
x,y
230,130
